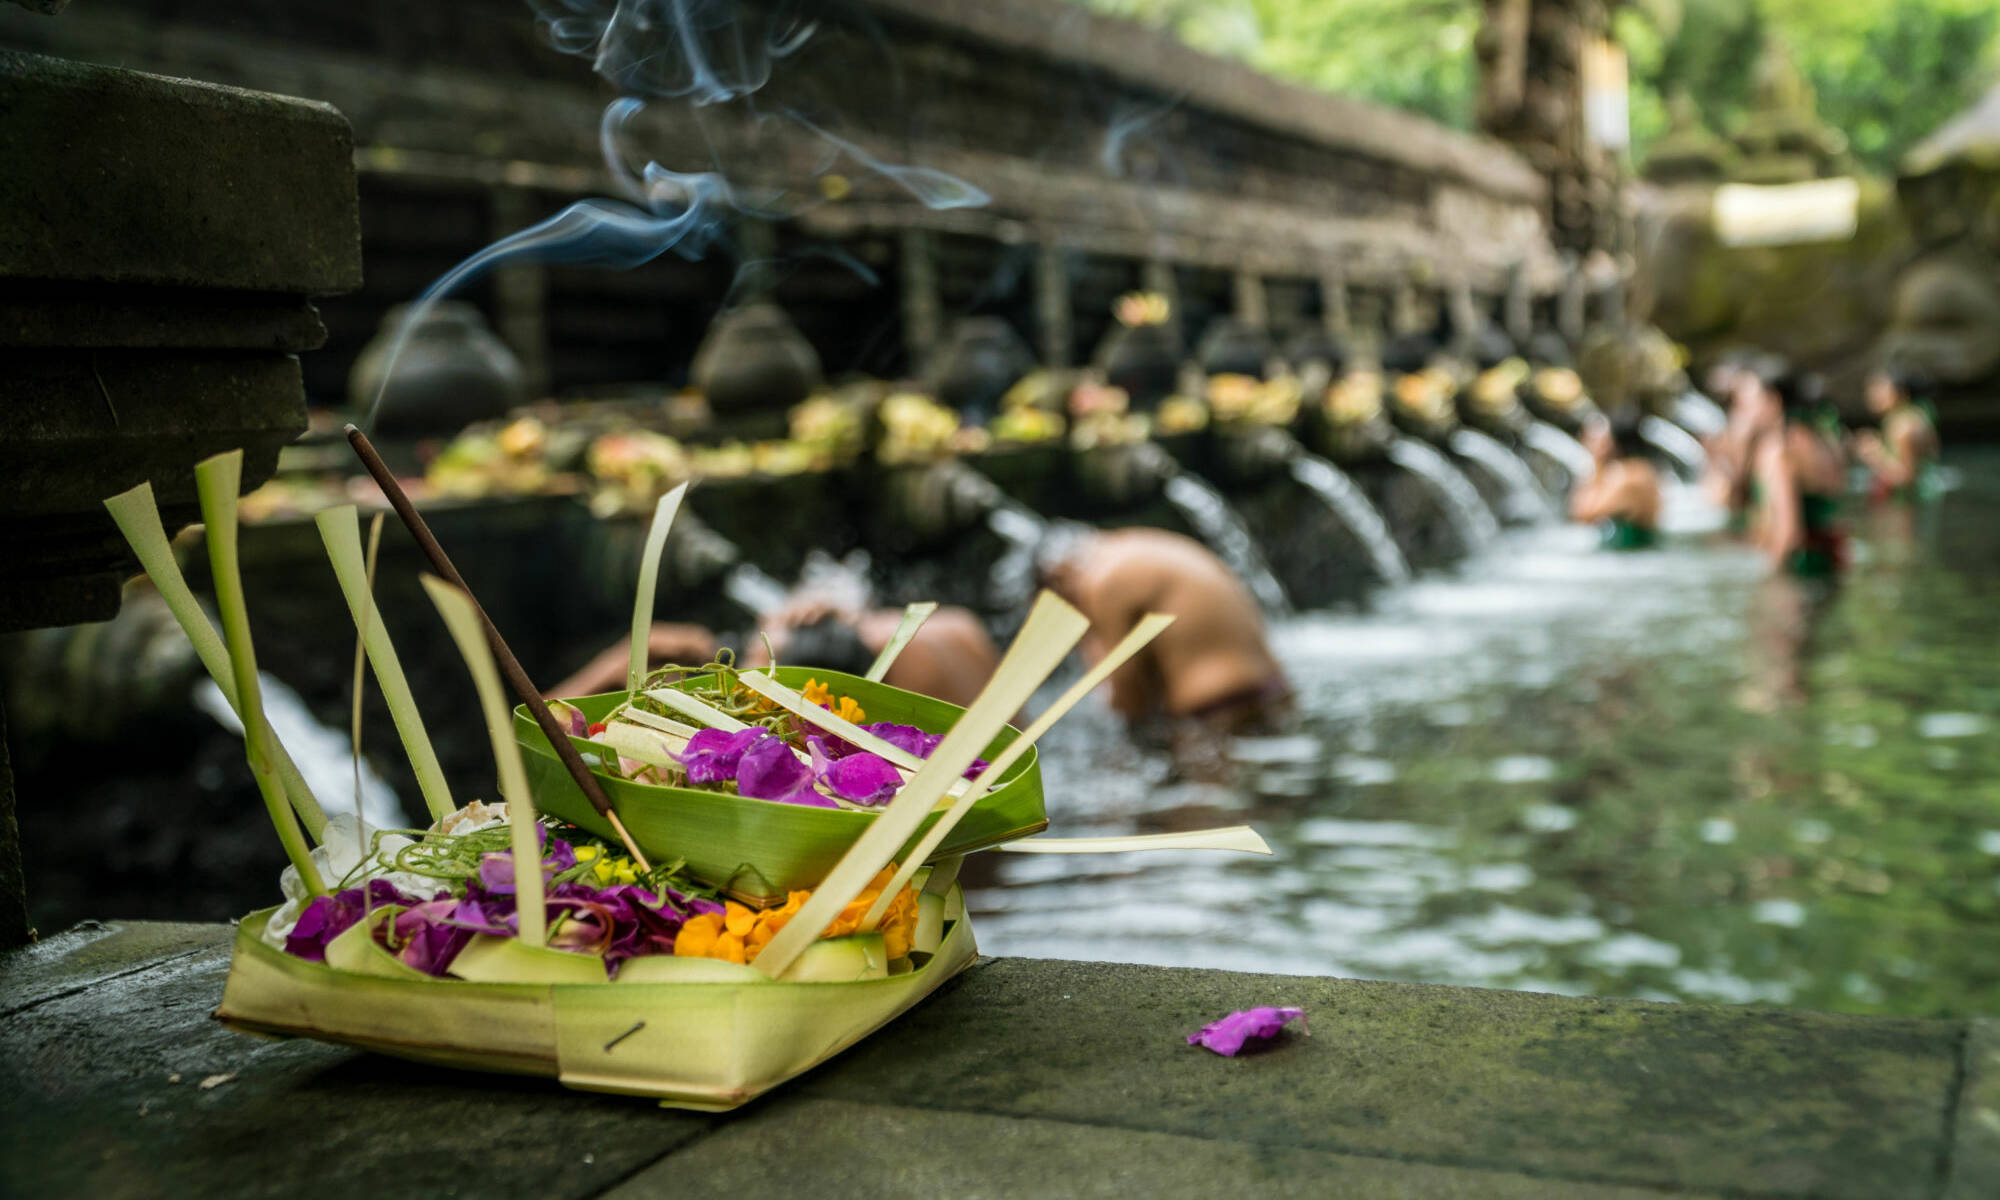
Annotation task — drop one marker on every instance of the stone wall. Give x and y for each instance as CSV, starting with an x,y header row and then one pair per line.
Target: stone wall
x,y
1104,147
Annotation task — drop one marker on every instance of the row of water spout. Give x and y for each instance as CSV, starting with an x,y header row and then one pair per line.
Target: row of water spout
x,y
1216,522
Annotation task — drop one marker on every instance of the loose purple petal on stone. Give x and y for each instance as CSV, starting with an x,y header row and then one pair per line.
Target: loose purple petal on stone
x,y
1226,1037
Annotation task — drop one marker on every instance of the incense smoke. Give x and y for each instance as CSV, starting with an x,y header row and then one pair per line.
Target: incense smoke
x,y
710,56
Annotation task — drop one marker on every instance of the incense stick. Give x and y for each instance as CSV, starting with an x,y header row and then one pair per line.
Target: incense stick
x,y
510,667
913,619
461,616
1052,628
1145,631
649,577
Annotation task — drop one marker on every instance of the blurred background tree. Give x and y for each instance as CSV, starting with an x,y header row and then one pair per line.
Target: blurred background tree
x,y
1886,71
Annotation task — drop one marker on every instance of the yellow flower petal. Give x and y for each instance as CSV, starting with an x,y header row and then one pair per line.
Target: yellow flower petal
x,y
739,919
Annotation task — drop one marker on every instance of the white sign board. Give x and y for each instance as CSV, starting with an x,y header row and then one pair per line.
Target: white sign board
x,y
1825,210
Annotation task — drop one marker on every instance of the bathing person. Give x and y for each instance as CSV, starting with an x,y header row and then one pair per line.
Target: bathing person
x,y
1901,454
1623,497
1799,474
952,656
1211,666
1740,385
667,642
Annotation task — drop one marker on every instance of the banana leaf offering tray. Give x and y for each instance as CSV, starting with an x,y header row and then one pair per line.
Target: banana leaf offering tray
x,y
693,890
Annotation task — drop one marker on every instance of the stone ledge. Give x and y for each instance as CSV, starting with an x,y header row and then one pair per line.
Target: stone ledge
x,y
112,176
1022,1077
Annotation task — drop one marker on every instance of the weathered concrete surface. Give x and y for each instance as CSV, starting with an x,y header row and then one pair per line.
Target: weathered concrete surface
x,y
1022,1078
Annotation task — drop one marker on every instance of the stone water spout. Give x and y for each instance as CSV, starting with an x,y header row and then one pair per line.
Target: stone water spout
x,y
1562,447
973,371
452,371
1206,511
1676,443
1526,501
1470,518
1699,415
1351,505
753,362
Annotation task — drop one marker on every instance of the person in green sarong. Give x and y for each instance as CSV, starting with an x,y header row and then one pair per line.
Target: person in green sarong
x,y
1901,455
1799,476
1623,496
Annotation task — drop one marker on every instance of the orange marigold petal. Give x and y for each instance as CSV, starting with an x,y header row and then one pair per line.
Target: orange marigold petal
x,y
697,935
729,948
739,919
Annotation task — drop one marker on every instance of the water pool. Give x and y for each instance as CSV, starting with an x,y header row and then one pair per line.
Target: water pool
x,y
1663,775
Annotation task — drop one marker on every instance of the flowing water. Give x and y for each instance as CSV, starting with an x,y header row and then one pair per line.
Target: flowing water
x,y
1350,504
750,587
1220,526
1467,511
1011,580
1526,501
1676,443
325,756
1696,412
1662,774
1542,436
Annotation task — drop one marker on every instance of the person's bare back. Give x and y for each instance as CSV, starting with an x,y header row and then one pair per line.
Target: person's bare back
x,y
1213,655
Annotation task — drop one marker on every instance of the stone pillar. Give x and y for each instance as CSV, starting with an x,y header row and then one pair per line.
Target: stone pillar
x,y
1570,305
520,293
1405,312
1335,304
1053,327
923,306
1253,306
1466,319
1518,314
1531,96
1365,326
1156,275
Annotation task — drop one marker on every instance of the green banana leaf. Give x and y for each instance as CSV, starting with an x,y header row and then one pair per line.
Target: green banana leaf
x,y
759,850
709,1045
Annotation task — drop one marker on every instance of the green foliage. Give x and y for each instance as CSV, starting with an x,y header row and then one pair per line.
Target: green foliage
x,y
1410,54
1887,72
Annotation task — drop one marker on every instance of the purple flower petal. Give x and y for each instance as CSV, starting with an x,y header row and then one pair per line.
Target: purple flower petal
x,y
327,917
770,771
911,740
907,738
862,778
428,939
1226,1037
713,756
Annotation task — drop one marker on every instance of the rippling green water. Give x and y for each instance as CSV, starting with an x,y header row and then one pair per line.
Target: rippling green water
x,y
1664,775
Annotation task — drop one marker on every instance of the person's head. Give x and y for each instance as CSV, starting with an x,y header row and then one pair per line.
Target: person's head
x,y
1063,542
1616,437
829,643
1799,393
1624,434
1890,388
